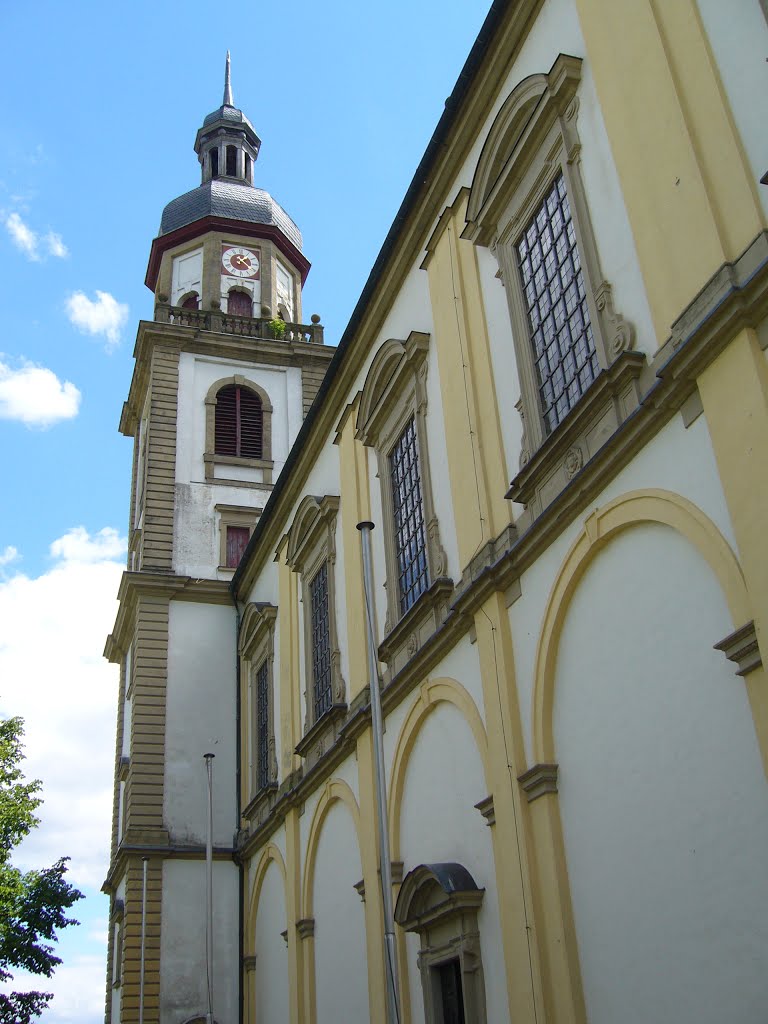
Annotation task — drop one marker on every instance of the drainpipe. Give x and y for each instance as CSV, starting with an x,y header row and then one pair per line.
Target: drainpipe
x,y
209,890
393,992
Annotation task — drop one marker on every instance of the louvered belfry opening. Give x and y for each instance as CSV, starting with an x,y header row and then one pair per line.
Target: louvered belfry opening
x,y
239,422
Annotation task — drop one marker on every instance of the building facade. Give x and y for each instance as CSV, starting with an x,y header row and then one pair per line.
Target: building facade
x,y
552,403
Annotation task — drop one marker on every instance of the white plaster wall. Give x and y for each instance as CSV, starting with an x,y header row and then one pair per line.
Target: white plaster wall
x,y
196,533
266,585
200,719
738,36
662,792
677,459
462,664
502,349
270,980
183,994
411,309
439,823
341,974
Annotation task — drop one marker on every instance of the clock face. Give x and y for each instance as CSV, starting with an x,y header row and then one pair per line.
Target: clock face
x,y
239,262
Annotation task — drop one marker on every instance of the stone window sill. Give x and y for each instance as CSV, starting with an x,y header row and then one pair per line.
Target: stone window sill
x,y
612,398
417,626
322,735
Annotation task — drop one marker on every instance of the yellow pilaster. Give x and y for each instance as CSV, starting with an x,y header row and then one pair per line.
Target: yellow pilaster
x,y
734,393
530,950
689,192
290,703
299,1001
476,463
355,508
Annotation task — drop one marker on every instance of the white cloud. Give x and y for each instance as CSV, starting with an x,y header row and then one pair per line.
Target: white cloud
x,y
10,554
105,316
53,674
78,546
23,236
31,244
77,987
56,245
34,395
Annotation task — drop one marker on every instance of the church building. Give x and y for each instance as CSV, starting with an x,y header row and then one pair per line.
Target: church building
x,y
551,404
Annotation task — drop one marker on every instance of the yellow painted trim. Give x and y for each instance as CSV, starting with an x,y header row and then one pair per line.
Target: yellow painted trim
x,y
476,460
630,509
431,693
333,791
688,191
290,701
271,854
355,508
734,393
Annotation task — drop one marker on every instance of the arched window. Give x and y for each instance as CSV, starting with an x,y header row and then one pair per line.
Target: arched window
x,y
213,155
232,161
191,301
247,168
239,422
239,303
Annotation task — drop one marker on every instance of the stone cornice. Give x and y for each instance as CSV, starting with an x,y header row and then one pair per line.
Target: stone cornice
x,y
143,584
151,333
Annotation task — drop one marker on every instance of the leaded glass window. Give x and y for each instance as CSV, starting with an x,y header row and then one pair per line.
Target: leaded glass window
x,y
556,305
408,508
262,726
321,642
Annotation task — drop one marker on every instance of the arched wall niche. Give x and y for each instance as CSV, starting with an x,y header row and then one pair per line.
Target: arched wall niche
x,y
601,526
431,694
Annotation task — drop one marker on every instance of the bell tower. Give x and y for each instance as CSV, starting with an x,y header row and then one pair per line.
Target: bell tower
x,y
224,374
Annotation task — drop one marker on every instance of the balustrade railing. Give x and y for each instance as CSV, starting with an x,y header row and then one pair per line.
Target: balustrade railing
x,y
258,327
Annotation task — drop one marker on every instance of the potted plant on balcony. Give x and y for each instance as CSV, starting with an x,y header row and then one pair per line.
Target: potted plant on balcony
x,y
277,326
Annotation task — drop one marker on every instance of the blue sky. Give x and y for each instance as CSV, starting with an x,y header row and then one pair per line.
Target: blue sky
x,y
102,102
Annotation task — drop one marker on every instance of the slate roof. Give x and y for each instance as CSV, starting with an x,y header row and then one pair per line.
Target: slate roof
x,y
217,198
227,113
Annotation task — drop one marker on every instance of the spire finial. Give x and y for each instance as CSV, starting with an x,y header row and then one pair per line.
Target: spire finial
x,y
228,101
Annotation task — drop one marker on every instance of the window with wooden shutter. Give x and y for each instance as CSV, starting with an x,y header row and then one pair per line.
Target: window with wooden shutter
x,y
239,303
237,542
239,424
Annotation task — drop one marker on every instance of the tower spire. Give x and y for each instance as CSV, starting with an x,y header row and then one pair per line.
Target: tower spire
x,y
228,101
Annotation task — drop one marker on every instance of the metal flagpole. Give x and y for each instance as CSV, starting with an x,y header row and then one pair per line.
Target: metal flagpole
x,y
143,936
393,991
209,890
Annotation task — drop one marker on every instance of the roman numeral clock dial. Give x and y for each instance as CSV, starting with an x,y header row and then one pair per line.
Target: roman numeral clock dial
x,y
239,262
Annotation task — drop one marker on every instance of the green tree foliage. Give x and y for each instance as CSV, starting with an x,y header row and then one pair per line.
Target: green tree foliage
x,y
33,904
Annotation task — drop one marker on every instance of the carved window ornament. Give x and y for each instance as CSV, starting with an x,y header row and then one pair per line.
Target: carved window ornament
x,y
212,458
441,903
393,397
528,183
312,553
257,651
